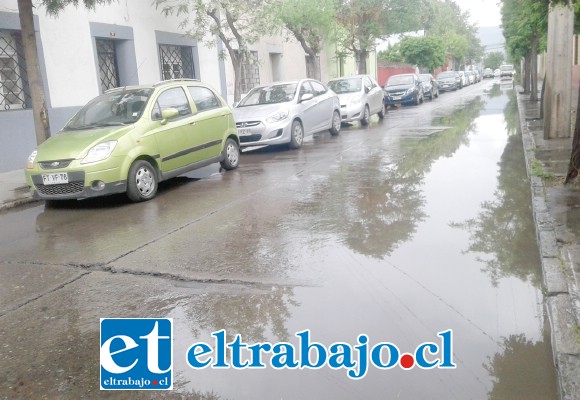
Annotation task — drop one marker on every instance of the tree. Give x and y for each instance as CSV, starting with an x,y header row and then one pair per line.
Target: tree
x,y
35,81
362,22
525,26
446,20
427,52
391,54
311,23
493,60
236,23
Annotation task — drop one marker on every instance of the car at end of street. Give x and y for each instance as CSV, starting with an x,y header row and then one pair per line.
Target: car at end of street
x,y
430,86
449,80
286,113
129,139
487,73
403,89
506,71
360,98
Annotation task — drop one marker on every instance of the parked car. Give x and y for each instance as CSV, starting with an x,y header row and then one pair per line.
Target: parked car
x,y
287,112
477,75
449,80
470,76
130,139
430,86
464,79
506,71
403,89
360,98
487,73
496,72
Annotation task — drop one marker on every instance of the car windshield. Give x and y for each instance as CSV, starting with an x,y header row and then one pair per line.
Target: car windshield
x,y
425,78
506,67
350,85
121,107
274,94
400,80
446,75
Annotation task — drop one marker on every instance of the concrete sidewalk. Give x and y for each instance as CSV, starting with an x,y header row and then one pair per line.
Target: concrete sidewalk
x,y
557,217
13,189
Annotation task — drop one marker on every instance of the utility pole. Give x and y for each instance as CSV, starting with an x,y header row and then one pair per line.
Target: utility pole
x,y
558,96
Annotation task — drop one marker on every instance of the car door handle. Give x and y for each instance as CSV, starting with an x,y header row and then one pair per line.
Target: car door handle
x,y
192,123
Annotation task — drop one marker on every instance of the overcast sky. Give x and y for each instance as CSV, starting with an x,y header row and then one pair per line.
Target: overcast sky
x,y
483,12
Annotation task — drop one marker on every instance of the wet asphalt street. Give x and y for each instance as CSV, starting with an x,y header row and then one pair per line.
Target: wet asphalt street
x,y
414,225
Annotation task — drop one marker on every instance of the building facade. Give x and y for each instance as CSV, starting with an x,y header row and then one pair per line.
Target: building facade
x,y
84,52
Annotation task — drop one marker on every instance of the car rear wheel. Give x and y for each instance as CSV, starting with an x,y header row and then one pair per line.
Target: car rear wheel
x,y
382,113
296,135
336,121
142,181
231,155
366,116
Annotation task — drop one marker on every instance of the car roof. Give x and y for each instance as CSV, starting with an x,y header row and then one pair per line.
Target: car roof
x,y
348,77
168,82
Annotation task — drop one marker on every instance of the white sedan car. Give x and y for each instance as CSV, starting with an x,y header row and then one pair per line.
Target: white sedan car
x,y
360,97
286,112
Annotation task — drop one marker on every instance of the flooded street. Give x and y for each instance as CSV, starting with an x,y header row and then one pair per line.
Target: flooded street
x,y
419,224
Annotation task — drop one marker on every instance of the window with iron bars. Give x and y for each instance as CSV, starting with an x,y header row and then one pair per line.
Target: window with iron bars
x,y
14,90
176,62
108,69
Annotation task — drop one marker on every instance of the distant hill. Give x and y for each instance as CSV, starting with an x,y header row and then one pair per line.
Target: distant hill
x,y
491,38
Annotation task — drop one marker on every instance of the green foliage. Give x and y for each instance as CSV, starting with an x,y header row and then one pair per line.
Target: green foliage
x,y
523,22
427,52
391,54
493,60
446,20
53,7
312,23
362,22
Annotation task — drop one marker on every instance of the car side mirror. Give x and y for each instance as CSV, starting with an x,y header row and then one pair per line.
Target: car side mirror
x,y
167,114
367,89
306,97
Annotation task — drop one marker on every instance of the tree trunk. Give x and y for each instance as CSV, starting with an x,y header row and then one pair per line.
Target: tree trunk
x,y
362,61
237,63
35,83
574,165
313,67
534,69
526,77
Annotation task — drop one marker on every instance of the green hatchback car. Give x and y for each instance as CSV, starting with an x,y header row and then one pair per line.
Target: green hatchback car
x,y
130,139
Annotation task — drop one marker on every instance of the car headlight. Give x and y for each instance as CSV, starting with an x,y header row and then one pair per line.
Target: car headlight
x,y
355,100
100,152
278,116
31,159
410,91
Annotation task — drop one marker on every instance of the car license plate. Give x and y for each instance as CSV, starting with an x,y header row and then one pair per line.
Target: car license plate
x,y
245,131
55,179
397,97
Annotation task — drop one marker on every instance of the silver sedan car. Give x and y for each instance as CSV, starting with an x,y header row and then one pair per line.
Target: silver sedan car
x,y
360,97
286,112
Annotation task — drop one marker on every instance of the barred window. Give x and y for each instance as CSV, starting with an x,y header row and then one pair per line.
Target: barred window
x,y
176,62
14,90
108,69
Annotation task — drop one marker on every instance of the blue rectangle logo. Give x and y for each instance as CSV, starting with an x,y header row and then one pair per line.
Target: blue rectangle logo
x,y
136,354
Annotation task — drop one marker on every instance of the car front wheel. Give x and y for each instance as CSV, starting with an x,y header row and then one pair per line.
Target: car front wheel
x,y
231,155
296,135
141,181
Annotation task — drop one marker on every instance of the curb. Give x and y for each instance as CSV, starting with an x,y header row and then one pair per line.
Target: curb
x,y
22,197
556,261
